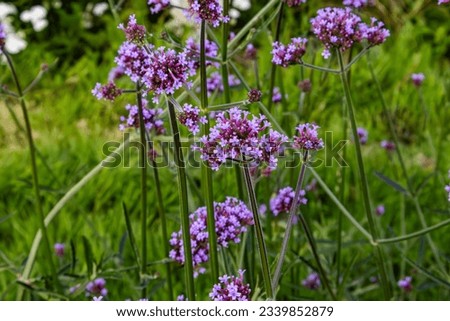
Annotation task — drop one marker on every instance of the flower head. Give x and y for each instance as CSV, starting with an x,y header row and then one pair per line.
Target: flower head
x,y
59,249
375,33
108,91
208,10
276,95
447,189
214,82
231,288
363,135
294,3
97,287
290,54
358,3
134,60
232,218
312,281
237,137
307,137
254,95
304,85
282,202
387,145
379,211
156,6
133,32
417,79
443,2
2,36
405,284
192,51
151,118
115,73
250,52
190,117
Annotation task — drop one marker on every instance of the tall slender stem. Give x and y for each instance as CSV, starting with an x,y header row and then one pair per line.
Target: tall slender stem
x,y
259,233
364,184
290,222
184,210
34,170
206,171
273,70
143,166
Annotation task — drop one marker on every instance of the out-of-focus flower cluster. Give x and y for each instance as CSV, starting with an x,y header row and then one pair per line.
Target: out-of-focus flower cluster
x,y
97,287
358,3
236,137
231,288
157,6
294,3
312,281
417,79
285,55
282,202
150,116
232,218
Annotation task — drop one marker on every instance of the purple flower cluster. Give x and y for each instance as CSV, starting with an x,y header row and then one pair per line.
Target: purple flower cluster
x,y
115,73
443,2
447,187
312,281
231,288
405,284
363,135
294,3
290,54
2,36
59,249
379,211
250,52
97,287
190,117
151,118
417,79
236,137
232,218
192,51
276,95
108,91
254,95
307,137
133,32
358,3
282,202
305,85
208,10
214,82
341,28
156,6
387,145
134,60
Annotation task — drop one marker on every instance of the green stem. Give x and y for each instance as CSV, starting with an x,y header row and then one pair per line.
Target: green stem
x,y
364,184
143,166
184,210
290,223
273,70
34,171
206,170
259,233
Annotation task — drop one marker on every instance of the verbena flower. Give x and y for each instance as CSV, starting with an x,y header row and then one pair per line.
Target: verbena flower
x,y
308,137
115,73
97,298
2,36
108,92
341,28
305,85
97,287
236,137
254,95
192,51
363,135
190,117
181,297
443,2
133,32
387,145
447,189
232,218
134,60
285,55
59,249
156,6
358,3
231,288
151,118
417,79
312,281
276,95
405,284
282,202
214,82
294,3
208,10
250,52
379,211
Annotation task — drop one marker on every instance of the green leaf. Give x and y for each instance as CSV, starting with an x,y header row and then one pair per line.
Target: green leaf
x,y
88,256
131,234
391,183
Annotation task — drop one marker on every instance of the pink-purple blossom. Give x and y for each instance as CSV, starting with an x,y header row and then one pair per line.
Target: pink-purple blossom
x,y
254,95
232,218
276,95
447,189
108,92
214,82
294,3
305,85
192,51
443,2
285,55
236,137
308,137
387,145
417,79
97,287
133,31
2,36
312,281
250,52
405,284
157,6
363,135
358,3
379,210
190,117
207,10
59,249
231,288
152,120
282,202
375,33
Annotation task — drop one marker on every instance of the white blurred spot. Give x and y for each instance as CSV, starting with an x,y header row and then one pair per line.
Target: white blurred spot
x,y
100,8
